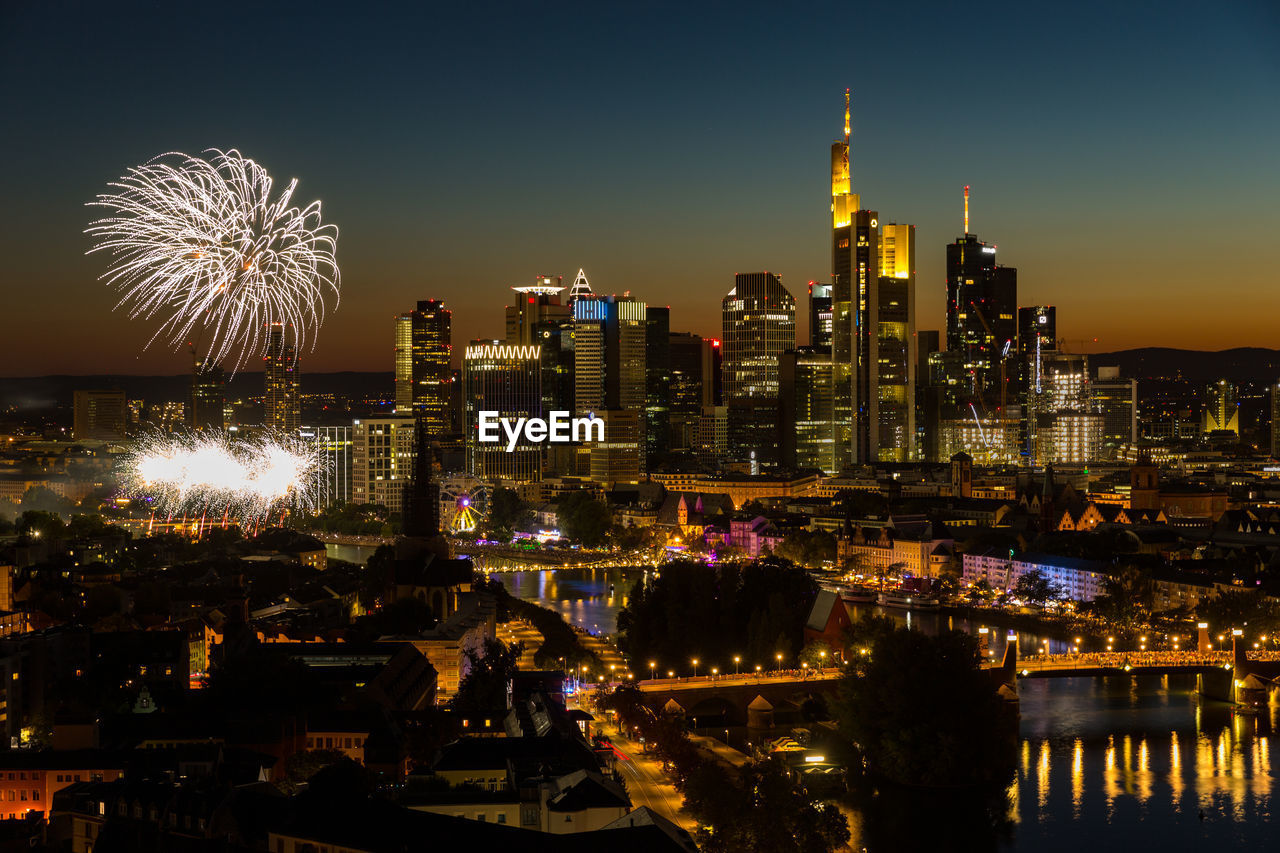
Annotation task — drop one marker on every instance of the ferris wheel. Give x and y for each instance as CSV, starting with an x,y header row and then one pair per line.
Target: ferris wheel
x,y
464,501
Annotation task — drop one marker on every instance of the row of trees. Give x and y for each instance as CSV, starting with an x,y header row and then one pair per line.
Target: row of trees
x,y
714,613
760,808
582,518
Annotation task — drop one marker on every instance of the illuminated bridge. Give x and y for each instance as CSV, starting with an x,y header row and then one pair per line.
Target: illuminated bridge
x,y
726,697
1219,674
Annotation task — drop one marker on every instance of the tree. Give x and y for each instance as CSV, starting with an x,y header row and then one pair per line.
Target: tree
x,y
483,689
506,513
923,712
818,654
42,499
1034,588
1128,595
304,764
40,523
584,519
88,526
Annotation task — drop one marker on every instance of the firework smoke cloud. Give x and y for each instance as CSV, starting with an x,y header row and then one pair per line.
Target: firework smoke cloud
x,y
200,245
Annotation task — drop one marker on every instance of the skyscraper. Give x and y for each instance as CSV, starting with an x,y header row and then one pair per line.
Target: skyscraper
x,y
807,409
1117,401
759,324
540,317
424,376
282,404
610,334
657,394
982,307
208,395
508,380
1037,341
891,326
872,324
820,316
1221,411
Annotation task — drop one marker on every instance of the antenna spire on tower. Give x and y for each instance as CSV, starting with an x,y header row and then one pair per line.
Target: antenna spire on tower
x,y
846,116
966,210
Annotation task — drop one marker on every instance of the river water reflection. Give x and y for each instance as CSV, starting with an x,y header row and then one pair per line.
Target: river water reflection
x,y
1112,763
1115,763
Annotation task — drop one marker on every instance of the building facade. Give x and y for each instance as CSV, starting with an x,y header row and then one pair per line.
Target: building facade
x,y
505,379
758,324
282,402
424,377
382,459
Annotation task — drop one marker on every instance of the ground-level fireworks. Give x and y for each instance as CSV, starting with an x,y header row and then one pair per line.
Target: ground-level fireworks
x,y
214,474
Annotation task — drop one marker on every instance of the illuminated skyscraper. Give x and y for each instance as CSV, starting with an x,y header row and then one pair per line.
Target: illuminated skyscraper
x,y
541,317
872,324
282,404
1221,411
424,377
759,324
820,316
806,400
982,308
610,336
508,380
1117,401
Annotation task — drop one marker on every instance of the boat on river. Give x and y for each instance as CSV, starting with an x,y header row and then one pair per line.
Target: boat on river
x,y
904,600
858,594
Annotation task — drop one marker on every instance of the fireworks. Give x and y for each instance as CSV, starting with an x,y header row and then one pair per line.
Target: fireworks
x,y
211,474
200,245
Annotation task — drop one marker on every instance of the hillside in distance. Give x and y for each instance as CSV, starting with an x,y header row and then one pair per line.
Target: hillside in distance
x,y
1244,366
47,392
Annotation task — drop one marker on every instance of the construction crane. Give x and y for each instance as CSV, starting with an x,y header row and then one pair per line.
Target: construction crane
x,y
1004,354
1064,344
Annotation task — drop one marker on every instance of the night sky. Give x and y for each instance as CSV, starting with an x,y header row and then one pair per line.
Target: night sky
x,y
1123,156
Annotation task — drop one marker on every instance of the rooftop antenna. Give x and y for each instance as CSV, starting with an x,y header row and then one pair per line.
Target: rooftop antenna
x,y
846,116
966,211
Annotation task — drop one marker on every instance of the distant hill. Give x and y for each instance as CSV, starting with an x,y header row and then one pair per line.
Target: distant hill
x,y
47,392
1243,365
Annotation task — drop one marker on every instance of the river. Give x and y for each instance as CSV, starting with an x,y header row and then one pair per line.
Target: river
x,y
1111,763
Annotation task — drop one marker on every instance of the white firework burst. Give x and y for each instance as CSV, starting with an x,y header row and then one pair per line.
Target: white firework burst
x,y
199,244
210,473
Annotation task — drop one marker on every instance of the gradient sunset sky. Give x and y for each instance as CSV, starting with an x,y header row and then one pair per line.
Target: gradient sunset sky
x,y
1123,156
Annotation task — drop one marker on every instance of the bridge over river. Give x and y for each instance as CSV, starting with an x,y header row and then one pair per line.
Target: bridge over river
x,y
1222,675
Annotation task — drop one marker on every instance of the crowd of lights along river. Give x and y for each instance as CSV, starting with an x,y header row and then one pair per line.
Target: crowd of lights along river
x,y
1120,762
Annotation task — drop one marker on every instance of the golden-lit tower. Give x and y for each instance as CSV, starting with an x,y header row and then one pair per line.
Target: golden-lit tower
x,y
966,209
843,200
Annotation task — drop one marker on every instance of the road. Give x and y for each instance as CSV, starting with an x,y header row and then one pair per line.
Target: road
x,y
646,783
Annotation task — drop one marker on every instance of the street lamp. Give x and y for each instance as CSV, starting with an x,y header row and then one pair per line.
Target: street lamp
x,y
823,655
715,670
695,667
736,660
779,657
653,665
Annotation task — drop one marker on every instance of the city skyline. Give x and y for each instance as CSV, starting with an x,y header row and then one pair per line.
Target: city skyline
x,y
1059,157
